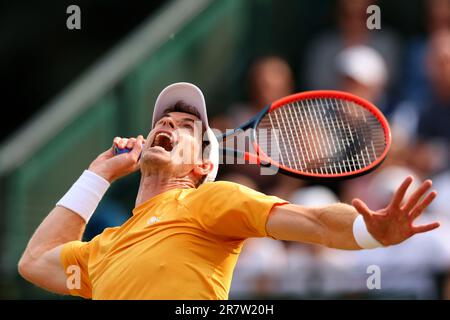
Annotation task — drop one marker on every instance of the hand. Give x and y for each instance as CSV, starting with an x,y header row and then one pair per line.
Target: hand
x,y
112,167
394,224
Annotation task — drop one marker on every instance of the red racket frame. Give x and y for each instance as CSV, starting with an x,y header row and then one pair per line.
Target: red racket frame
x,y
330,94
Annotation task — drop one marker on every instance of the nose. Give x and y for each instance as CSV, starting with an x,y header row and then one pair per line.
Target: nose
x,y
168,122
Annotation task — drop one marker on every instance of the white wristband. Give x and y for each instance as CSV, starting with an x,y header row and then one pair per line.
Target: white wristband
x,y
362,236
85,194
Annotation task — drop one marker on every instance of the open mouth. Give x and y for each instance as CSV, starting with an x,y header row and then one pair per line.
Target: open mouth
x,y
163,140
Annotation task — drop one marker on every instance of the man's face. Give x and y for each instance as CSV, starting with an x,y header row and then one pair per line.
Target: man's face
x,y
174,143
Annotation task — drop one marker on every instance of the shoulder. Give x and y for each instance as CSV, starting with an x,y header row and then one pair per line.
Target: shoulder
x,y
219,187
220,193
216,185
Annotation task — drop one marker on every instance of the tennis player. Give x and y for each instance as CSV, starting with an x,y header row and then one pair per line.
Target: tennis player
x,y
187,231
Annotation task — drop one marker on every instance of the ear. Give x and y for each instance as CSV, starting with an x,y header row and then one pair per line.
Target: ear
x,y
203,168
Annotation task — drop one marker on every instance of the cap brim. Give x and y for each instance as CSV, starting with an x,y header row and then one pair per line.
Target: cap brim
x,y
181,91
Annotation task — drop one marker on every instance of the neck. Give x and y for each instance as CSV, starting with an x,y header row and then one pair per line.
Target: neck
x,y
155,183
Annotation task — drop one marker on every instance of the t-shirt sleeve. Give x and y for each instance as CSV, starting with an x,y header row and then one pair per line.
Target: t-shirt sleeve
x,y
232,210
74,258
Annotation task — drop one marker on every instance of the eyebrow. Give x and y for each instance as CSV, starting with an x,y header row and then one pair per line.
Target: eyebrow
x,y
188,119
181,120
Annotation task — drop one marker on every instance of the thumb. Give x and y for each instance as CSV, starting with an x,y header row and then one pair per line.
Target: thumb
x,y
362,208
106,154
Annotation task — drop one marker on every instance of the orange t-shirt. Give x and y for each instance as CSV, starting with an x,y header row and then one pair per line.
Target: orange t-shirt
x,y
180,244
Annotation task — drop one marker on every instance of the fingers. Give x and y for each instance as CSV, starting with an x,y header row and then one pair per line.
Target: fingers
x,y
415,197
425,227
123,143
137,147
362,208
400,194
130,143
417,211
118,142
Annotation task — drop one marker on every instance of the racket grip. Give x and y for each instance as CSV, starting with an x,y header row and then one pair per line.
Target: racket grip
x,y
117,151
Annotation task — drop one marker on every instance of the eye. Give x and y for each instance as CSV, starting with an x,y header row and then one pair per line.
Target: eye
x,y
187,125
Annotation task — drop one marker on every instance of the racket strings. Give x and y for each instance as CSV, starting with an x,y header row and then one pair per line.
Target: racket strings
x,y
322,136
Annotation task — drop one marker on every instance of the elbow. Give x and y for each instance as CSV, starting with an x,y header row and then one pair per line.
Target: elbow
x,y
24,267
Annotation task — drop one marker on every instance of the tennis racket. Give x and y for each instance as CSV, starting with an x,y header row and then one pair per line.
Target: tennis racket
x,y
318,135
322,135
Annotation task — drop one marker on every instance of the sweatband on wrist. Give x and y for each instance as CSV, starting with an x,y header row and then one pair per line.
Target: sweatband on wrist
x,y
362,236
85,194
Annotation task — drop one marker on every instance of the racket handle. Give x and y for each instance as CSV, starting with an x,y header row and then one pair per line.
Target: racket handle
x,y
117,151
255,159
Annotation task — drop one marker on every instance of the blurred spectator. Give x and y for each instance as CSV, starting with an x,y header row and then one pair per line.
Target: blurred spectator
x,y
314,196
259,269
319,69
239,178
433,129
440,207
415,82
441,204
435,117
362,71
418,80
438,13
284,186
270,78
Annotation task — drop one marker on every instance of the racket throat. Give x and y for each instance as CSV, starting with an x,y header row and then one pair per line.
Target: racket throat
x,y
252,158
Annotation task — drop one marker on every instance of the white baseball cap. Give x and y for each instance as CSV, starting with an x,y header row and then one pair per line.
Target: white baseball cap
x,y
193,96
362,63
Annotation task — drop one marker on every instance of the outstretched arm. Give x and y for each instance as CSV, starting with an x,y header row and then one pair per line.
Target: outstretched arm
x,y
333,225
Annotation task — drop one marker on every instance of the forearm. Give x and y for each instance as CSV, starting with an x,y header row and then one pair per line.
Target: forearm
x,y
65,223
354,227
337,221
331,225
60,226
